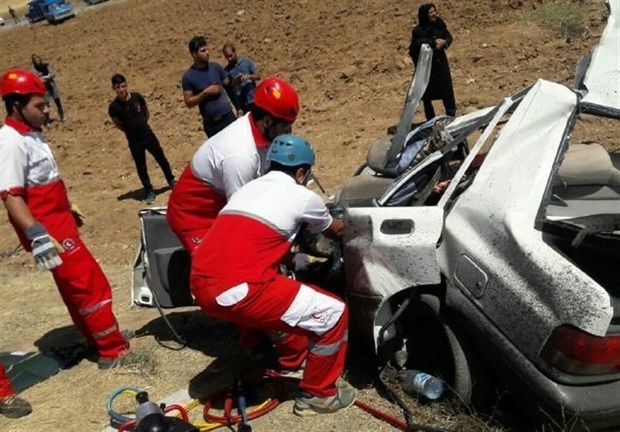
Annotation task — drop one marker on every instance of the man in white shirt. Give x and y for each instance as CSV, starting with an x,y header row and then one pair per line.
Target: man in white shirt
x,y
229,160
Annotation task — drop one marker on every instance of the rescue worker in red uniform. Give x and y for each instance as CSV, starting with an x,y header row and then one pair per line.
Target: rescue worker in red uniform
x,y
228,160
39,210
238,279
11,406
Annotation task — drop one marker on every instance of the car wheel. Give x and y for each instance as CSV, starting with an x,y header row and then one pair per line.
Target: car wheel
x,y
437,346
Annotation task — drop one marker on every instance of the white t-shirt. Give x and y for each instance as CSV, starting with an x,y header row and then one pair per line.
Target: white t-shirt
x,y
230,159
25,160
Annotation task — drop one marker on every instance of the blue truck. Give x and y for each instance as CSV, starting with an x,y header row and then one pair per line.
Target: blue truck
x,y
54,11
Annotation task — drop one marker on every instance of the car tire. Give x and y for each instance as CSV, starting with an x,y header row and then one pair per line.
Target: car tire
x,y
438,346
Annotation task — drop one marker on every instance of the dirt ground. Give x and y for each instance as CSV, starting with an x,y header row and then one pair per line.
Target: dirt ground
x,y
348,60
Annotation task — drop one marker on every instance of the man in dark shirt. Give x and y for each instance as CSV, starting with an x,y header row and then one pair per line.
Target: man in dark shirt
x,y
130,114
203,85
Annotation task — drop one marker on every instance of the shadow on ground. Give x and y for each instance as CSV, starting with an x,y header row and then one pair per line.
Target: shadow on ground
x,y
66,345
193,329
138,194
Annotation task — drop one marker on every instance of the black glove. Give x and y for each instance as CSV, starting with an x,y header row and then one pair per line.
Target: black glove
x,y
45,248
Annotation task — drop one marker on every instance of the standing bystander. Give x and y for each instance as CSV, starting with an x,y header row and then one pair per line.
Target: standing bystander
x,y
432,30
204,84
130,114
46,222
47,76
243,75
13,15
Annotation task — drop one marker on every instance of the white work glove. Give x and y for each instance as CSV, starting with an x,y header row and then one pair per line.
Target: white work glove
x,y
45,248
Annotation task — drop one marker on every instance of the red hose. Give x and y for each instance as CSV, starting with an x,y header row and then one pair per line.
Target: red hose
x,y
228,418
125,426
382,416
180,409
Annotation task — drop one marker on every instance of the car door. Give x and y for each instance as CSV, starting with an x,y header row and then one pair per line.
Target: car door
x,y
388,249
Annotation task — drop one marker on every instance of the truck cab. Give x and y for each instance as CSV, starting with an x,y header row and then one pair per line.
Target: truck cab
x,y
54,11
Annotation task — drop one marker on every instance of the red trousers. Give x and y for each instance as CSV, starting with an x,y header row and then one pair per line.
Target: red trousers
x,y
87,294
6,389
192,208
312,323
81,282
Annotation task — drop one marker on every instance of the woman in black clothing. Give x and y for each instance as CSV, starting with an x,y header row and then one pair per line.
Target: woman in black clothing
x,y
432,30
47,76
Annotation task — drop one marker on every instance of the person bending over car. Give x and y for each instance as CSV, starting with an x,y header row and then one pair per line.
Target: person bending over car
x,y
229,160
235,276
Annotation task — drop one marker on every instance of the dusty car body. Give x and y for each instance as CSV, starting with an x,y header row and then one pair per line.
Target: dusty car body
x,y
514,268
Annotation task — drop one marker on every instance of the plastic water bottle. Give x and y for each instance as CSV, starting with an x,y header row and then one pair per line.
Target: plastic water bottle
x,y
421,383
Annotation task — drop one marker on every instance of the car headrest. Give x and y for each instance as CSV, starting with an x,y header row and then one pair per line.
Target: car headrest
x,y
587,164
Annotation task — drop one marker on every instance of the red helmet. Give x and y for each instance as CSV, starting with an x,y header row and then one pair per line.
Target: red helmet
x,y
21,81
278,98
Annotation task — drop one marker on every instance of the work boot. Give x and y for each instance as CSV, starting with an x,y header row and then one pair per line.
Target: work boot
x,y
149,197
14,407
308,405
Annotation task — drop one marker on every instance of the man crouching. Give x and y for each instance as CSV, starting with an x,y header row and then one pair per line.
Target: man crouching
x,y
238,281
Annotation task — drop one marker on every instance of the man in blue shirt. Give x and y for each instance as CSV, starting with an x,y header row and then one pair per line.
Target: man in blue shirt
x,y
203,85
243,76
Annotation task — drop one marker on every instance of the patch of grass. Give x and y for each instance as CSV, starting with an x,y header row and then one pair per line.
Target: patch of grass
x,y
563,18
139,361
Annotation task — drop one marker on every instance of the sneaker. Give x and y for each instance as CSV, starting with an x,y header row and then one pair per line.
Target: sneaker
x,y
14,407
150,197
308,405
105,363
172,183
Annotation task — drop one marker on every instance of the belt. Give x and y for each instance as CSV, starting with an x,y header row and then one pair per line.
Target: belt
x,y
215,119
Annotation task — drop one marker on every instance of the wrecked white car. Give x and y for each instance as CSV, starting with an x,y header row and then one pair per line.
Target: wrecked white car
x,y
510,273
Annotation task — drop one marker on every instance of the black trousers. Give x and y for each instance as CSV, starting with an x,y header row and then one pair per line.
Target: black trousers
x,y
448,103
138,151
61,112
212,126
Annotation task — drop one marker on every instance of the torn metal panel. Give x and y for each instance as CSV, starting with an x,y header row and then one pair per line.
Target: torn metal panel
x,y
601,78
419,82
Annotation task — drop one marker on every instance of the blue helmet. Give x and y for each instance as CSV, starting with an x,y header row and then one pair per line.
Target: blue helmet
x,y
291,151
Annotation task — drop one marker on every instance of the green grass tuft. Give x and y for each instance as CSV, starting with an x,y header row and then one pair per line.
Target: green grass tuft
x,y
563,18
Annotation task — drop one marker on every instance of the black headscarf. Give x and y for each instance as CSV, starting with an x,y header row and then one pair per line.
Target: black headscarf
x,y
423,20
423,14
